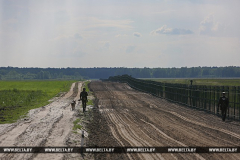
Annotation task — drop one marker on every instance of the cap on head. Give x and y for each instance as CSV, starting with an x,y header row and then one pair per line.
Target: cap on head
x,y
84,89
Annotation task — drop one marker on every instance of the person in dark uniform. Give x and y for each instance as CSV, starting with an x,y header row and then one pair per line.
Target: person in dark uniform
x,y
223,103
83,98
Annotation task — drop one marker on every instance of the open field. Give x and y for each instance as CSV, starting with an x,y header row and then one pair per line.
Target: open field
x,y
51,87
211,82
18,97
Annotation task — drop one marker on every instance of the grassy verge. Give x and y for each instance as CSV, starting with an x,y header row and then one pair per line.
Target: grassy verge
x,y
85,85
18,97
76,125
86,117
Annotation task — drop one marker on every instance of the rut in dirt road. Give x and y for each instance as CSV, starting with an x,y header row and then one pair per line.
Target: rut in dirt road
x,y
45,126
138,119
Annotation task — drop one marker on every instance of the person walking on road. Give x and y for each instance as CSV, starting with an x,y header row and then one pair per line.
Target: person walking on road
x,y
223,103
83,98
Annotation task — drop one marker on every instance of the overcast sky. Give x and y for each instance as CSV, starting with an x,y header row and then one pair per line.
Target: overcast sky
x,y
119,33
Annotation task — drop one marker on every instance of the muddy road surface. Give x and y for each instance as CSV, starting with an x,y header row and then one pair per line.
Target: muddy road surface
x,y
126,117
50,125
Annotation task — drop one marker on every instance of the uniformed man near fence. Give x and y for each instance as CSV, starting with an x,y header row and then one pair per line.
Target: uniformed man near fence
x,y
83,98
223,104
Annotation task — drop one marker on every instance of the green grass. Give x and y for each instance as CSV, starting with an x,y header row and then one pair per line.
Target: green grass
x,y
18,97
76,125
51,87
211,82
90,102
85,85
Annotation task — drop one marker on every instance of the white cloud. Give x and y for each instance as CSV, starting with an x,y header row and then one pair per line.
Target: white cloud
x,y
209,26
121,35
53,33
106,45
11,21
77,36
102,46
130,49
171,31
137,34
92,23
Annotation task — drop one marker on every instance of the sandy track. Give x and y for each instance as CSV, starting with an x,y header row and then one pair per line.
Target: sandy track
x,y
137,119
46,126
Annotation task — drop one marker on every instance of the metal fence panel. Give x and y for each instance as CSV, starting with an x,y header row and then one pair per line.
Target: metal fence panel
x,y
197,96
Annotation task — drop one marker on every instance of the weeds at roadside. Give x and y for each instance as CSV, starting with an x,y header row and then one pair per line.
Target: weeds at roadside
x,y
86,85
85,117
76,125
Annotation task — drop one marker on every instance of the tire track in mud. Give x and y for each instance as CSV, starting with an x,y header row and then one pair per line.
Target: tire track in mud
x,y
207,131
235,137
60,132
139,119
39,128
127,134
161,136
133,135
135,138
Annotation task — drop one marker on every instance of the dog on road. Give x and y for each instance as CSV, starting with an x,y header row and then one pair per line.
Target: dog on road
x,y
73,103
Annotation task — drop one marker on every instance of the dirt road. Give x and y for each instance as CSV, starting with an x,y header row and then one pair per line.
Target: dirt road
x,y
126,117
122,117
50,125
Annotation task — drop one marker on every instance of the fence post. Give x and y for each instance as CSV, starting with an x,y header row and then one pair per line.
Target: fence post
x,y
195,96
214,99
234,103
238,102
210,99
200,99
205,97
228,99
217,98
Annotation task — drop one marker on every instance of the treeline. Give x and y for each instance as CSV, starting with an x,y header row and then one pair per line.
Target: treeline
x,y
15,73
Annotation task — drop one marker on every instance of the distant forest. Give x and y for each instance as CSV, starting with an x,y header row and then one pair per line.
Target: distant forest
x,y
15,73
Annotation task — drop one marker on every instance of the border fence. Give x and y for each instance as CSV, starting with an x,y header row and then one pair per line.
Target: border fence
x,y
196,96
